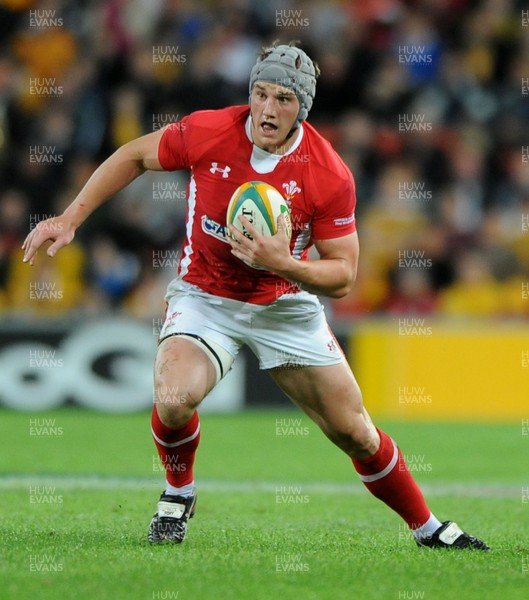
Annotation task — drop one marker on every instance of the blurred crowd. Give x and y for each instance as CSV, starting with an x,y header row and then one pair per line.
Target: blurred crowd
x,y
427,101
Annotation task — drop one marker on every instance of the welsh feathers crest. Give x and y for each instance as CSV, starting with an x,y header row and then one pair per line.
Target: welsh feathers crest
x,y
291,188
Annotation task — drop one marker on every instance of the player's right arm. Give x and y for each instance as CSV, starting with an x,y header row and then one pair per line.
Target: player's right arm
x,y
115,173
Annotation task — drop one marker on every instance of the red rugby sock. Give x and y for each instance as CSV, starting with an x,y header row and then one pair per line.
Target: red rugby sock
x,y
387,477
176,448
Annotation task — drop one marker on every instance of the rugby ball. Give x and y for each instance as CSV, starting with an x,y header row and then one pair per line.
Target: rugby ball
x,y
261,204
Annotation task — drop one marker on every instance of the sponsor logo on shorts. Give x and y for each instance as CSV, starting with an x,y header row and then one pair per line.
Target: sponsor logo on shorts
x,y
171,319
331,346
214,229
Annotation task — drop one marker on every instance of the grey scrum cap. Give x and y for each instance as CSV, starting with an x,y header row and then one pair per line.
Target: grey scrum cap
x,y
289,67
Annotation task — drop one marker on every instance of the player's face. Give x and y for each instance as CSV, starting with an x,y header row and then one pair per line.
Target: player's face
x,y
274,110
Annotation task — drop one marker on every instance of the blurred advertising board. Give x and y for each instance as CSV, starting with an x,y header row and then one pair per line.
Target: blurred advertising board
x,y
104,365
421,369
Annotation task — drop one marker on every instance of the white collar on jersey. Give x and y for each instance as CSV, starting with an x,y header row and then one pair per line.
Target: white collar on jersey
x,y
263,161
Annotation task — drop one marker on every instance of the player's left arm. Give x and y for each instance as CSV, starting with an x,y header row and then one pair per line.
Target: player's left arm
x,y
332,275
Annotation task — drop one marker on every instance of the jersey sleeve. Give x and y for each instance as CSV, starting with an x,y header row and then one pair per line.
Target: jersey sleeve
x,y
335,213
173,148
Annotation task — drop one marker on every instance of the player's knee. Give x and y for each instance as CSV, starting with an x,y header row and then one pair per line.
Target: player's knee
x,y
365,446
174,412
358,439
365,440
175,402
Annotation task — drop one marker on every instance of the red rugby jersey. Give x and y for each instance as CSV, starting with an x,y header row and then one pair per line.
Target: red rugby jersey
x,y
217,147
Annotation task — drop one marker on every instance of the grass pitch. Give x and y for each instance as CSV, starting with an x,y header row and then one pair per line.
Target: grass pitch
x,y
280,512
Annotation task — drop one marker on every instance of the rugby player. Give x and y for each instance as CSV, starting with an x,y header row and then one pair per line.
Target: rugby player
x,y
217,303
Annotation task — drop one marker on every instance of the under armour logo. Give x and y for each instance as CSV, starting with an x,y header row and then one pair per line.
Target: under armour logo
x,y
216,169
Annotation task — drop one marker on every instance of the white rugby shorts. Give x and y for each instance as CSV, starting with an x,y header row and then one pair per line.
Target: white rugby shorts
x,y
290,332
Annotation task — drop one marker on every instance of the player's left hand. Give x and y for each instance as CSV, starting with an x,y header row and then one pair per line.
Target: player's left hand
x,y
269,253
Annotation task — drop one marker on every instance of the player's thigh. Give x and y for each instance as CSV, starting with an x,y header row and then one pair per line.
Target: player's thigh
x,y
183,375
331,396
331,391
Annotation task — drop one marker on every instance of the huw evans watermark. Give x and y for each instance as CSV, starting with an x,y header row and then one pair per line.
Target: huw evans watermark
x,y
45,86
414,395
414,122
42,427
168,55
414,326
414,259
163,191
48,18
290,427
291,19
414,190
47,155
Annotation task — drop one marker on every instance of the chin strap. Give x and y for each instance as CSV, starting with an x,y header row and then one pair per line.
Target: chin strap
x,y
292,131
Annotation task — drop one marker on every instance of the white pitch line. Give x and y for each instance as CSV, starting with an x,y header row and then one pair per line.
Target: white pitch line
x,y
100,482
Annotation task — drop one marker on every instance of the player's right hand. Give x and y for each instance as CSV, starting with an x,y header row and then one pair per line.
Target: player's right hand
x,y
59,230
